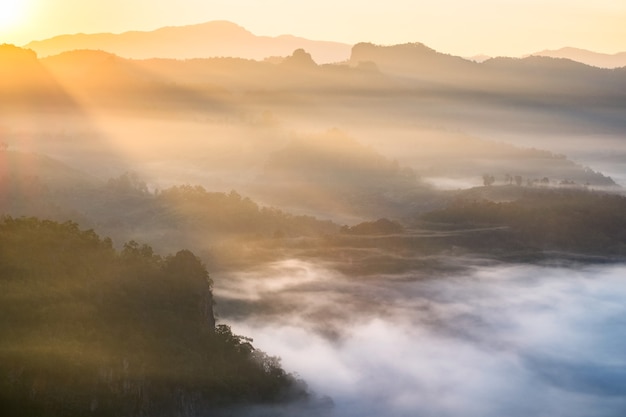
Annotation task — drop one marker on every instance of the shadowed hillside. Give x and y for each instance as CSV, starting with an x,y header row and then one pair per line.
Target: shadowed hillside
x,y
334,173
89,330
26,85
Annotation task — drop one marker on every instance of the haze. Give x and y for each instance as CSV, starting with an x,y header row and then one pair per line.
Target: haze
x,y
466,28
411,232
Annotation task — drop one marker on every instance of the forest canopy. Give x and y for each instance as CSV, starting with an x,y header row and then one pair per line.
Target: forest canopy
x,y
88,330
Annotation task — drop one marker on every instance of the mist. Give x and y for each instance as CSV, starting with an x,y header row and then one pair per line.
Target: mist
x,y
399,227
512,340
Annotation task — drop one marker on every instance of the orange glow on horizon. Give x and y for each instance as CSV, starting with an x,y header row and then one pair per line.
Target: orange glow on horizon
x,y
464,28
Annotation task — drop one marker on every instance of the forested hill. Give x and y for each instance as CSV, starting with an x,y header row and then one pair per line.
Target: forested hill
x,y
88,330
580,222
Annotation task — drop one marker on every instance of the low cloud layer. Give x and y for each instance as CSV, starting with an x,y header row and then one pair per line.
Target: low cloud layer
x,y
497,340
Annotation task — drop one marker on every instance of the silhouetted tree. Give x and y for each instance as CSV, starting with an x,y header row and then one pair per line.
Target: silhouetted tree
x,y
128,182
488,180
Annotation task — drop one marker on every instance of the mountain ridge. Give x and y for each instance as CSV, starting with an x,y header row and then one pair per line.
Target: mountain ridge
x,y
210,39
584,56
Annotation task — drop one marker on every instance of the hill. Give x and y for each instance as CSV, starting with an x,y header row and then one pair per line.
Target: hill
x,y
592,58
25,84
580,222
211,39
334,173
90,330
438,72
413,60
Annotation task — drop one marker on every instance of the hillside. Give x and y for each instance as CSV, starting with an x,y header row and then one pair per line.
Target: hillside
x,y
334,173
532,75
564,221
87,329
26,85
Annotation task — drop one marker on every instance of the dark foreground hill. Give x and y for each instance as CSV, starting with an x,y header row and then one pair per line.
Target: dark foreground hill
x,y
87,330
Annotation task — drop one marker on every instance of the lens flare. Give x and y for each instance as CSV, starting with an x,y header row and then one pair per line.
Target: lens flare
x,y
11,13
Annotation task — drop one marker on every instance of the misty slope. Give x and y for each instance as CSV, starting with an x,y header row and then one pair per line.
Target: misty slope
x,y
26,85
27,177
592,58
531,75
333,173
218,39
335,176
532,90
440,154
399,84
203,84
18,168
534,93
124,209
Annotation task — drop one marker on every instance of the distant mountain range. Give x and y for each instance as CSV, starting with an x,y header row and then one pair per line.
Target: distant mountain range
x,y
595,59
227,39
211,39
533,74
398,69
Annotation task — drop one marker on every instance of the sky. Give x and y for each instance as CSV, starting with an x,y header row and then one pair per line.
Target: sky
x,y
459,27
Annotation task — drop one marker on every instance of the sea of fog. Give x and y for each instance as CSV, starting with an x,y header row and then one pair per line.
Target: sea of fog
x,y
495,340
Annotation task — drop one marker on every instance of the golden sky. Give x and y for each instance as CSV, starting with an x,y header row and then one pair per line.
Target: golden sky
x,y
460,27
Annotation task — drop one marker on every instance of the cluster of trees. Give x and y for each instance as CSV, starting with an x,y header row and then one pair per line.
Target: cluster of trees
x,y
379,227
88,330
489,180
126,208
194,208
565,219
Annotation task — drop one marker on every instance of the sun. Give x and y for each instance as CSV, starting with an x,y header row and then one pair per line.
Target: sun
x,y
12,13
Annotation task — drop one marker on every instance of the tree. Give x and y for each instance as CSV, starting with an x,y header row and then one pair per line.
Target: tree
x,y
129,182
185,266
488,180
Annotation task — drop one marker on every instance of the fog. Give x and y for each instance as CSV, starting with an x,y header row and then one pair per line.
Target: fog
x,y
225,122
514,340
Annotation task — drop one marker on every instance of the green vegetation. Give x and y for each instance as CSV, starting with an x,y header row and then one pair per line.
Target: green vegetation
x,y
378,227
564,220
88,330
